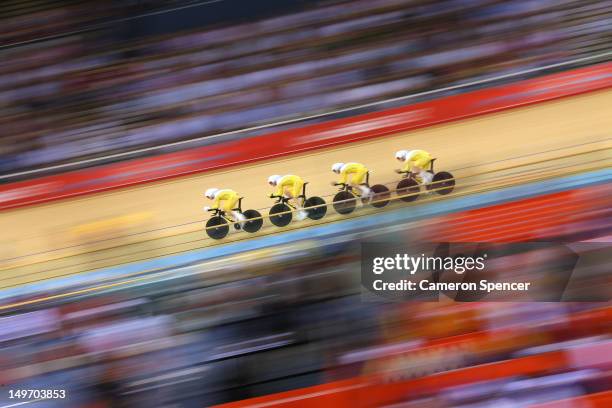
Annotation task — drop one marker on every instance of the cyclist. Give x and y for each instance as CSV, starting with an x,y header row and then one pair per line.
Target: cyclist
x,y
353,174
416,161
290,186
230,200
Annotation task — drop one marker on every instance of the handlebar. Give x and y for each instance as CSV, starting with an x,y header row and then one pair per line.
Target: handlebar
x,y
279,198
407,174
344,186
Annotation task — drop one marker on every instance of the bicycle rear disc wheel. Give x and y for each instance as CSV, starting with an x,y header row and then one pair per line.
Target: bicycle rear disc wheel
x,y
320,208
443,182
381,196
254,222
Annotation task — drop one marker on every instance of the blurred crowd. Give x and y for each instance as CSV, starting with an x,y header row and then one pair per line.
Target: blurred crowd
x,y
93,93
26,21
295,316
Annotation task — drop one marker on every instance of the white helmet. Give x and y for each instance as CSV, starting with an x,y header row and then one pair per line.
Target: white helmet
x,y
210,193
337,167
401,155
273,180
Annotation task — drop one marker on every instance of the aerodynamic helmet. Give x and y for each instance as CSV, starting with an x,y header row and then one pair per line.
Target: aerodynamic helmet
x,y
337,167
210,193
273,180
401,155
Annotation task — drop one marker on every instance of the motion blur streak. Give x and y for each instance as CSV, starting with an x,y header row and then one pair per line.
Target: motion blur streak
x,y
573,125
303,303
112,293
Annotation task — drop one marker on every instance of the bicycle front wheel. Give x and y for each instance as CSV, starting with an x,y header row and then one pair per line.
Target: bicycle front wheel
x,y
217,227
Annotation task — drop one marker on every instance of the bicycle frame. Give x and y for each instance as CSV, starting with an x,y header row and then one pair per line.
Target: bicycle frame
x,y
410,174
285,200
350,188
347,187
219,212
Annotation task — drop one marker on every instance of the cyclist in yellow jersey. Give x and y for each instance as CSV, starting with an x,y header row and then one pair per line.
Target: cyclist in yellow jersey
x,y
230,201
290,186
353,174
416,161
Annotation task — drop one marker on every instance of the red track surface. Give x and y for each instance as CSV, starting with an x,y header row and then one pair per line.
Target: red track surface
x,y
319,136
524,220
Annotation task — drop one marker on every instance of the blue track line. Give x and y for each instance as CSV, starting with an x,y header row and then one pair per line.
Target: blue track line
x,y
401,215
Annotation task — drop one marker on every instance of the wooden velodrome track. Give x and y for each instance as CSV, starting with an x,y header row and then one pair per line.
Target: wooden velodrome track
x,y
487,152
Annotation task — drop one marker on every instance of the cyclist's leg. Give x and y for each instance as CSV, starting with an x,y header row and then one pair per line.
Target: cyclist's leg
x,y
359,182
230,208
350,181
417,169
287,194
296,191
422,164
426,176
239,217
